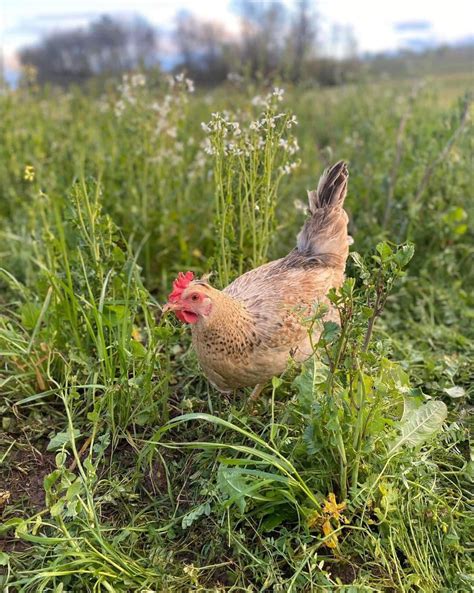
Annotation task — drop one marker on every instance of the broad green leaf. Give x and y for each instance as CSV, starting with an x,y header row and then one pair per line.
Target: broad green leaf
x,y
276,382
421,425
234,486
404,254
384,250
114,314
455,392
194,514
410,406
74,489
57,508
61,438
331,331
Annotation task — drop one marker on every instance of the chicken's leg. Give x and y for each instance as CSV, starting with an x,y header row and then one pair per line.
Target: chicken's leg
x,y
257,390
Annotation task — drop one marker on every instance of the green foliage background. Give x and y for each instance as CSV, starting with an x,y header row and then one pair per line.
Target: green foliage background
x,y
103,200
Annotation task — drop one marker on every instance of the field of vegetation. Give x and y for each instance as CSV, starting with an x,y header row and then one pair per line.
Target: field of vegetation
x,y
121,468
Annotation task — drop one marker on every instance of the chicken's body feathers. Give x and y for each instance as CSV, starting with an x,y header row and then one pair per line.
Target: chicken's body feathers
x,y
261,320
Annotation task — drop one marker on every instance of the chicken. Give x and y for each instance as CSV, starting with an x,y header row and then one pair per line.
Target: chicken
x,y
246,333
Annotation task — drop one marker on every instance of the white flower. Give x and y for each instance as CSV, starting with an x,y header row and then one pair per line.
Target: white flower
x,y
259,101
189,85
293,147
236,128
234,77
138,80
292,122
288,168
207,146
270,121
119,108
278,93
205,127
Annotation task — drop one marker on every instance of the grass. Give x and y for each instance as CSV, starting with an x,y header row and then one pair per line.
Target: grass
x,y
121,468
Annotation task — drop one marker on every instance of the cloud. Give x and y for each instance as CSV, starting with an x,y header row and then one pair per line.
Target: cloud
x,y
413,26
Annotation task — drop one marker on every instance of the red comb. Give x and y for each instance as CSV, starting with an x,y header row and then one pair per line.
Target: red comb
x,y
179,285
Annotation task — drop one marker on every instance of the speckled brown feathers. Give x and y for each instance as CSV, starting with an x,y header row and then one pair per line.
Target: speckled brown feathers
x,y
257,322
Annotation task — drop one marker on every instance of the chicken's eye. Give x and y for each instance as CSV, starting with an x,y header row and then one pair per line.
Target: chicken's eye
x,y
194,297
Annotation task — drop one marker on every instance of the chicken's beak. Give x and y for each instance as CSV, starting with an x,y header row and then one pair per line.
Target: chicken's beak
x,y
170,307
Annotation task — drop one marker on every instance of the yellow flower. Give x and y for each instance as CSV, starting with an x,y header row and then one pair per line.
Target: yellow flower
x,y
331,541
332,509
4,496
137,334
29,174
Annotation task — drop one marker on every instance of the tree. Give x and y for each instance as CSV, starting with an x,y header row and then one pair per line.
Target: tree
x,y
302,39
107,46
262,35
204,48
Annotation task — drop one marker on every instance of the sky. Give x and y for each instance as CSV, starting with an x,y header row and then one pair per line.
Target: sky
x,y
377,25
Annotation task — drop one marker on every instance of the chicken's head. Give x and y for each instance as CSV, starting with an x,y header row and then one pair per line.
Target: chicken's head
x,y
188,299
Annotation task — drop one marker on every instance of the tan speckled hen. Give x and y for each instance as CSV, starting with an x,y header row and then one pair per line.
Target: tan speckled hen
x,y
245,334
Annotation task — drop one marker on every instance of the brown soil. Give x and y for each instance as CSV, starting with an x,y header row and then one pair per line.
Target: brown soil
x,y
344,571
22,477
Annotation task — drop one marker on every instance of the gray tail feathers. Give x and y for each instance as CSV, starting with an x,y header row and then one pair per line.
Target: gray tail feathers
x,y
325,230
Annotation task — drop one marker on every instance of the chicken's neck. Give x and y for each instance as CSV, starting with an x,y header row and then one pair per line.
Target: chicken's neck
x,y
229,326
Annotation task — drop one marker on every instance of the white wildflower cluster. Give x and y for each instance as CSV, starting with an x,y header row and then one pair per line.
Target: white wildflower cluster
x,y
289,167
224,134
170,109
137,80
235,78
180,81
129,91
164,120
200,164
119,107
270,100
103,105
131,94
299,205
290,146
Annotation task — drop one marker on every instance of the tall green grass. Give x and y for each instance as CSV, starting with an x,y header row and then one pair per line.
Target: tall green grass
x,y
354,474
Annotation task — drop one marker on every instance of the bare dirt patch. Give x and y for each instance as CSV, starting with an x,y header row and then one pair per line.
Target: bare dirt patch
x,y
21,478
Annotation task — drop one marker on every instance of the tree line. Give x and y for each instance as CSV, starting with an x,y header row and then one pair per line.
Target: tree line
x,y
273,41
